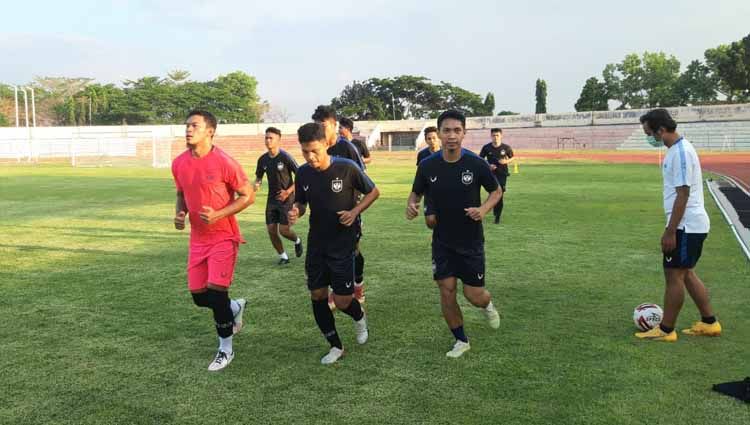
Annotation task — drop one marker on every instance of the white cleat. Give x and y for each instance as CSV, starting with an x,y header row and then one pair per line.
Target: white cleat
x,y
493,317
333,356
221,361
238,317
360,328
459,348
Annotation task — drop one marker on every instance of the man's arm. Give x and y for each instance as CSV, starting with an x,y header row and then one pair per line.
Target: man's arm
x,y
669,238
246,196
412,205
347,217
180,211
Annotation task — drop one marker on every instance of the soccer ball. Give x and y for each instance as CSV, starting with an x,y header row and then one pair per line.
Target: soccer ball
x,y
647,316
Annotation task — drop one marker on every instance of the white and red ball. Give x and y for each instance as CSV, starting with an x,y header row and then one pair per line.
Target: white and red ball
x,y
647,316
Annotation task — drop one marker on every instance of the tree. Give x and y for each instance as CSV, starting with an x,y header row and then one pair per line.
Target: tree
x,y
178,76
541,96
489,104
696,86
660,75
405,97
593,96
503,113
730,64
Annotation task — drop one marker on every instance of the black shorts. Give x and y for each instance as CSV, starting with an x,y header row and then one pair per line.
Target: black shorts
x,y
277,213
502,181
467,265
687,252
334,270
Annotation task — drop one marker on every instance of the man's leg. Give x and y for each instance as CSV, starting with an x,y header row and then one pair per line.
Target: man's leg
x,y
471,273
498,208
453,316
674,297
698,293
359,275
289,234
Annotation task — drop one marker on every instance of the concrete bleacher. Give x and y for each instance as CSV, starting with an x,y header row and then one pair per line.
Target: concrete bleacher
x,y
712,136
568,138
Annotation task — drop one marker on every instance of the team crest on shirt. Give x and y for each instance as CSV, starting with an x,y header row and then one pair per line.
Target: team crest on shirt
x,y
502,152
280,166
337,185
467,177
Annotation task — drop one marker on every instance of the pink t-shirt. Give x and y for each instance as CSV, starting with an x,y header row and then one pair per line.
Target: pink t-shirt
x,y
211,181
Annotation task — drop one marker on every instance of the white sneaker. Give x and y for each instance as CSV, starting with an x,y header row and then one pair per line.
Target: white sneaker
x,y
221,361
238,317
493,317
360,328
459,348
333,356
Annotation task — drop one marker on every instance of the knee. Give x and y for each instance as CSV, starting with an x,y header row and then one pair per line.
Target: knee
x,y
342,301
273,229
319,294
201,299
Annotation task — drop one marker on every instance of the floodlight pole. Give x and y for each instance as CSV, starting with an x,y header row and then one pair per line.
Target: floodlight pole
x,y
33,106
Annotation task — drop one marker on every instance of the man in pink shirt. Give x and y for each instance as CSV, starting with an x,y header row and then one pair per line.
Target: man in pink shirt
x,y
207,180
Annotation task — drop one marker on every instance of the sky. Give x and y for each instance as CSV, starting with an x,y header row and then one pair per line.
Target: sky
x,y
303,53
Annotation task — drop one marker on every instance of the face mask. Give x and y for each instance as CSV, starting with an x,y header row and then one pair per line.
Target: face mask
x,y
651,140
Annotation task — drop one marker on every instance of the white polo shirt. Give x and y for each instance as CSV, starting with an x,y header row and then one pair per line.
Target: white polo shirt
x,y
683,168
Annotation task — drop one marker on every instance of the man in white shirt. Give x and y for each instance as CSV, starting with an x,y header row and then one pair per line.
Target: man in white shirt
x,y
687,228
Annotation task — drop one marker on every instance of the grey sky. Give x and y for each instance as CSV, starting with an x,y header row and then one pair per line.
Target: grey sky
x,y
303,53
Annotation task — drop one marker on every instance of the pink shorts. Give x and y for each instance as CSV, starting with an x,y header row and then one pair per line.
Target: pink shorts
x,y
211,264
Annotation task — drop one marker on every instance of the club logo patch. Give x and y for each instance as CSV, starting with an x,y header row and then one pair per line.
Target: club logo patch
x,y
502,152
280,166
337,185
467,177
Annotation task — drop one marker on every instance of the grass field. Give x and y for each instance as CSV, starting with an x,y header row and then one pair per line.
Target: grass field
x,y
98,326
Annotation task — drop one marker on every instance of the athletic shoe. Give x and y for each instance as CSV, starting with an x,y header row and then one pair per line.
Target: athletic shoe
x,y
221,361
656,334
493,317
359,292
458,350
298,249
238,317
360,328
283,261
331,302
333,356
704,329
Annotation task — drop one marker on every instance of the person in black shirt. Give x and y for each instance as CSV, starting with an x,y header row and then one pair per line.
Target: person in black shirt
x,y
342,148
454,178
330,186
346,127
498,155
279,166
433,145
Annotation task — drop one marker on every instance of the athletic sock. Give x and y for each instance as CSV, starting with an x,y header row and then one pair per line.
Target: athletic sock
x,y
710,320
235,307
355,310
326,322
225,345
489,307
222,312
665,329
298,241
283,256
459,334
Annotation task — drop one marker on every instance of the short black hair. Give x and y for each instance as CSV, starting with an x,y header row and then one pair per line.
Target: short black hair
x,y
657,118
274,130
452,113
207,116
311,132
496,130
346,123
324,112
430,129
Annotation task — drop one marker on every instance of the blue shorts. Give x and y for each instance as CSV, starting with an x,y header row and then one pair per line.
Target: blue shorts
x,y
687,252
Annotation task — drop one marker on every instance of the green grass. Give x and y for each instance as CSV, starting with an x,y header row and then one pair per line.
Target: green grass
x,y
98,326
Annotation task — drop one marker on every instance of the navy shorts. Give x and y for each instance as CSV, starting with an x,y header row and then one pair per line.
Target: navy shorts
x,y
277,213
327,269
502,181
464,264
687,252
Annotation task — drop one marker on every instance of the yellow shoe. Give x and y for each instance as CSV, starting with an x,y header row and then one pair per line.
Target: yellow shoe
x,y
656,334
704,329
